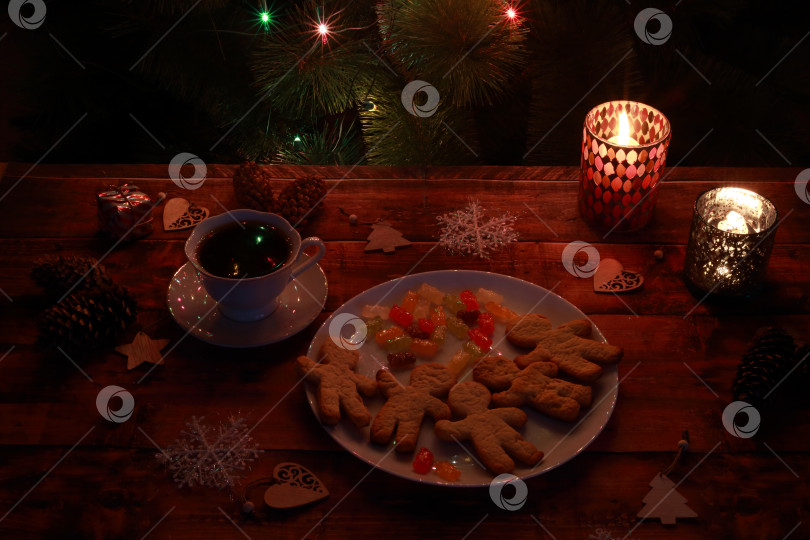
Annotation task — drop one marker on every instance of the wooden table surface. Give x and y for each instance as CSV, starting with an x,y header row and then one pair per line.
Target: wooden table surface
x,y
67,472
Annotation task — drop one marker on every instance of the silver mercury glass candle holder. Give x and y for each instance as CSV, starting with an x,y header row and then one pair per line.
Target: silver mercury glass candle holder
x,y
730,242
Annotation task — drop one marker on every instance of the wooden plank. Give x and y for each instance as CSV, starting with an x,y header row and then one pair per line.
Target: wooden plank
x,y
664,292
679,376
546,211
598,491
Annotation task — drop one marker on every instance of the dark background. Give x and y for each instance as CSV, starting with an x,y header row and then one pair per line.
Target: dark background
x,y
43,91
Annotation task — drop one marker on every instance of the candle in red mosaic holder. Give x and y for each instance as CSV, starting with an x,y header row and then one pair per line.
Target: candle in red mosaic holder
x,y
624,148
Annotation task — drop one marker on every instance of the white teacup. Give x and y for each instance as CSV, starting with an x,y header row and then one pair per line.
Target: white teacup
x,y
252,298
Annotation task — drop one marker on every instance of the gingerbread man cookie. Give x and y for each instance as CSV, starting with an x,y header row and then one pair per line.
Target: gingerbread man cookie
x,y
407,405
532,386
565,345
491,430
338,384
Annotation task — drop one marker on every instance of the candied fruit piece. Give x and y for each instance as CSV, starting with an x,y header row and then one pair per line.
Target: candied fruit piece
x,y
457,327
410,301
459,362
438,335
401,359
501,314
486,323
423,461
447,471
472,349
453,303
422,309
424,348
373,326
437,316
426,326
388,334
415,332
469,300
369,312
397,344
485,296
430,293
400,315
481,339
470,317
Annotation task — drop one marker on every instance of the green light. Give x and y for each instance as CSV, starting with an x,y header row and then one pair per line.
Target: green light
x,y
258,239
297,139
265,17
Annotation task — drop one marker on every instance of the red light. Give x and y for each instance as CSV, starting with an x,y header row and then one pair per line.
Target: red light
x,y
323,30
511,13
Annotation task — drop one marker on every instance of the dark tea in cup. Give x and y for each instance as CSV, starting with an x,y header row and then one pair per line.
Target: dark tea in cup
x,y
244,249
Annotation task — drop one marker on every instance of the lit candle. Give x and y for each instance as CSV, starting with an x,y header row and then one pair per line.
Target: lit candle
x,y
730,264
733,223
623,138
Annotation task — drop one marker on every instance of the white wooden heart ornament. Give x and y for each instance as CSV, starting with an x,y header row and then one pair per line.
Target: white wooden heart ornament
x,y
180,214
611,277
295,486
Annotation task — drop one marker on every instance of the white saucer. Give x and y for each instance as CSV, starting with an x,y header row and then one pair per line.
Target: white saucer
x,y
192,308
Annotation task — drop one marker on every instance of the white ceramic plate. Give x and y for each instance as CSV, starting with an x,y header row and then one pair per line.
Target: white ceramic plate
x,y
299,304
560,441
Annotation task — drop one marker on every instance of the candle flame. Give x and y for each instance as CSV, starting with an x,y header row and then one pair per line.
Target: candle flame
x,y
624,130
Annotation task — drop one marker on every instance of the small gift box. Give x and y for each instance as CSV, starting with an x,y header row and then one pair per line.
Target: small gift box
x,y
125,211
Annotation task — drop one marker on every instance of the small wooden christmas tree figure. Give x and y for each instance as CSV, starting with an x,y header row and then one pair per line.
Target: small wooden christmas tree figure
x,y
385,237
664,502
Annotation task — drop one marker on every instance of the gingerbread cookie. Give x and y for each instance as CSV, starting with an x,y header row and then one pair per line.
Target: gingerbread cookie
x,y
498,374
407,405
491,430
565,345
533,386
338,384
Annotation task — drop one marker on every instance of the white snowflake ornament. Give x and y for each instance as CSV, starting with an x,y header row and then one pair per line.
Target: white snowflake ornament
x,y
470,232
210,456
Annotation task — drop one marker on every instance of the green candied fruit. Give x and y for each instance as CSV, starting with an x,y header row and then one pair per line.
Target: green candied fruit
x,y
373,326
457,327
472,349
453,304
398,344
438,335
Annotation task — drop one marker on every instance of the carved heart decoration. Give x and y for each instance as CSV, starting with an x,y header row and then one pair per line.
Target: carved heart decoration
x,y
180,214
296,486
610,276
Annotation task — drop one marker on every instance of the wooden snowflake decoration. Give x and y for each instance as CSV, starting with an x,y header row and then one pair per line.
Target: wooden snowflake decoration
x,y
470,232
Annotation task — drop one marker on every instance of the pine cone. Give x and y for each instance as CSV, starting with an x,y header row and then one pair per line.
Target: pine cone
x,y
88,319
57,275
251,184
299,199
768,359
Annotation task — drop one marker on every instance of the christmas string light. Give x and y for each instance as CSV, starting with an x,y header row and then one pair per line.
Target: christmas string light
x,y
323,30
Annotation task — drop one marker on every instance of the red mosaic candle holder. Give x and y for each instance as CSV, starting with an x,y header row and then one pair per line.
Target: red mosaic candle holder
x,y
618,181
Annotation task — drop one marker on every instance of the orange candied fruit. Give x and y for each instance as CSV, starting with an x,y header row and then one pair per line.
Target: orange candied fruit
x,y
447,471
